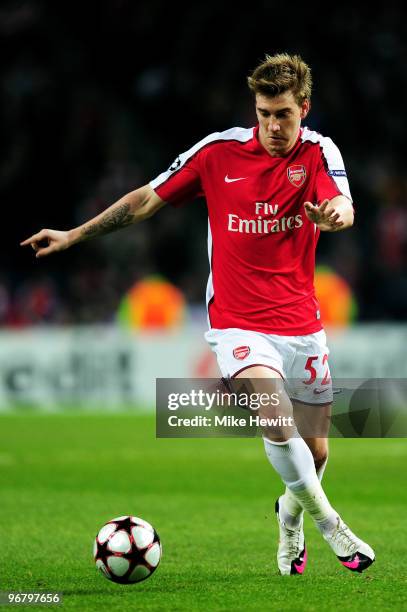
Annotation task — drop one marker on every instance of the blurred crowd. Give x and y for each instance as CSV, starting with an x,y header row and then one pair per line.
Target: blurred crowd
x,y
99,99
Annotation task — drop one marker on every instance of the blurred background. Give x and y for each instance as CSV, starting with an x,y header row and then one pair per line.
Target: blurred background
x,y
99,98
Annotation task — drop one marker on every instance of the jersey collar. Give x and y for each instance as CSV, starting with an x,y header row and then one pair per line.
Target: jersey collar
x,y
258,147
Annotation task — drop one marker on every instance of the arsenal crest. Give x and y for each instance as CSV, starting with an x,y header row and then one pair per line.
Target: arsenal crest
x,y
241,352
296,175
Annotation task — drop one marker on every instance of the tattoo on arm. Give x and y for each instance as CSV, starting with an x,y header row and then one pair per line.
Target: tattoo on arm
x,y
112,220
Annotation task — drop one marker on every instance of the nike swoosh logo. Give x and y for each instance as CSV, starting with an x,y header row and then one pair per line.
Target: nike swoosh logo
x,y
301,567
229,180
319,391
352,564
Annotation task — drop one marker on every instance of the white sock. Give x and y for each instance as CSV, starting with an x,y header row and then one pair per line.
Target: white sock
x,y
293,461
291,511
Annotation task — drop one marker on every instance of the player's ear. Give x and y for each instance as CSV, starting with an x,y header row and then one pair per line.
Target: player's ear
x,y
305,108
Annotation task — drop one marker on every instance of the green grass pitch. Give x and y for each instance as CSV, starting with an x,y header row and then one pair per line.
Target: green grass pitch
x,y
211,501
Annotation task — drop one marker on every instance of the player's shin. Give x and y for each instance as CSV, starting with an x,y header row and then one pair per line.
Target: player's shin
x,y
291,511
294,462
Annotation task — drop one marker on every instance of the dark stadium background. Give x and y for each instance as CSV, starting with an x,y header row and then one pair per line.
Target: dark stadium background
x,y
98,98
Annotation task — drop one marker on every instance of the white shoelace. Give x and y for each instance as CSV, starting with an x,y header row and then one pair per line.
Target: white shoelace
x,y
342,535
293,543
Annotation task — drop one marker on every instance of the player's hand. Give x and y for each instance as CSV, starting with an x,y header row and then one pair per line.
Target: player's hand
x,y
324,216
48,241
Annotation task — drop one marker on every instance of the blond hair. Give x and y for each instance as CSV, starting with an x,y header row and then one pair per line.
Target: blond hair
x,y
280,73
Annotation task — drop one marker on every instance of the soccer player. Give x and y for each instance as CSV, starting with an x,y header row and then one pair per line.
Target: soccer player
x,y
270,191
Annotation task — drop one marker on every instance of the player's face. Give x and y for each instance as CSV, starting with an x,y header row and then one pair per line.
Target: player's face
x,y
279,120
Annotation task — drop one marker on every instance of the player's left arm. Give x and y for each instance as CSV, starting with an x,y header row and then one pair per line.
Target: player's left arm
x,y
331,215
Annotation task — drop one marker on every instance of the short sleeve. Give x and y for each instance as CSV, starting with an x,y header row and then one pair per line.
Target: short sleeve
x,y
177,185
182,181
331,179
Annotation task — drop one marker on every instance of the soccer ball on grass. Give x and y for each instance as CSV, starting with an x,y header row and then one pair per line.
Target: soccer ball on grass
x,y
127,549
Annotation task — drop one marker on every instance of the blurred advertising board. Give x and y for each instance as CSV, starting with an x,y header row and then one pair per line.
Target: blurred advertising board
x,y
103,367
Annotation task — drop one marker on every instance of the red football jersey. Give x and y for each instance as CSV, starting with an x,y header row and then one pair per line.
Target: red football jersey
x,y
261,245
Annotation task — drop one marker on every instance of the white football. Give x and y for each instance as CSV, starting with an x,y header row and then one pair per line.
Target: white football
x,y
127,549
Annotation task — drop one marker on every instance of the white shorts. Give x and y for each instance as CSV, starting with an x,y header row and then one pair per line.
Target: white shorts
x,y
302,361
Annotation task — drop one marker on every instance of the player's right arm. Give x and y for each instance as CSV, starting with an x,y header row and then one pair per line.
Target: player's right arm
x,y
131,208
